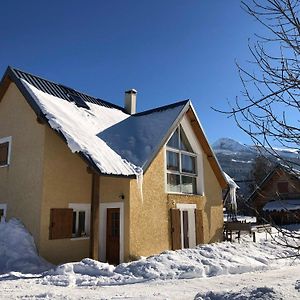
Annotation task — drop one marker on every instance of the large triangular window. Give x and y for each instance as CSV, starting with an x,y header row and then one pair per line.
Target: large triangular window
x,y
181,164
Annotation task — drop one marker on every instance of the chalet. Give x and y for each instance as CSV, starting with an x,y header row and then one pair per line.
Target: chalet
x,y
277,198
91,179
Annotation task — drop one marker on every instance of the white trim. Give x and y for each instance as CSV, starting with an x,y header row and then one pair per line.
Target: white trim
x,y
190,208
86,207
4,207
5,140
102,229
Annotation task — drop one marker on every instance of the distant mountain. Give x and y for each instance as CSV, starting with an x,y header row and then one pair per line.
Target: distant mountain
x,y
229,145
238,160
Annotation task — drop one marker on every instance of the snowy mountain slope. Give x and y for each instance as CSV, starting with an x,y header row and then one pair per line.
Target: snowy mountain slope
x,y
227,145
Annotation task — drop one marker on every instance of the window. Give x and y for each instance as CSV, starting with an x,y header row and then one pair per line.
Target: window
x,y
81,219
283,187
2,211
181,164
5,145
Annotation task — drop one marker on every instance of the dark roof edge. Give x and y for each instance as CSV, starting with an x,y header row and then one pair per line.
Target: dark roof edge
x,y
30,100
164,140
164,107
63,85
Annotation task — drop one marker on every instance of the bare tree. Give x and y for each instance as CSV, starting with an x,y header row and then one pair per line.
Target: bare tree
x,y
268,109
269,105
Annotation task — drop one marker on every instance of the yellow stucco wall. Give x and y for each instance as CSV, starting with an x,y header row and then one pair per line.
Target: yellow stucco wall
x,y
66,180
22,181
149,218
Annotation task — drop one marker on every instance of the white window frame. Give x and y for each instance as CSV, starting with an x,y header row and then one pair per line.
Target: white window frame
x,y
86,207
4,207
5,140
197,153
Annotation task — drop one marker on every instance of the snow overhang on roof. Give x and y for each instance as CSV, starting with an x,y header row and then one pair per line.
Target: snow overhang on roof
x,y
282,205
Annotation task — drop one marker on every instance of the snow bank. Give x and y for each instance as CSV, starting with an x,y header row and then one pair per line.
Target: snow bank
x,y
252,293
17,250
202,261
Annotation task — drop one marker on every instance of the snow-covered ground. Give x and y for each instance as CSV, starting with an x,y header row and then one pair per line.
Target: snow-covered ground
x,y
247,219
226,270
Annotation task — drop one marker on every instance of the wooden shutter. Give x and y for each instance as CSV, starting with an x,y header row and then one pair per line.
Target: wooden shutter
x,y
61,220
199,226
4,153
175,229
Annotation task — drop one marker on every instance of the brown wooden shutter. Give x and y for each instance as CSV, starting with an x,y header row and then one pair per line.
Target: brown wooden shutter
x,y
175,229
4,153
199,226
61,220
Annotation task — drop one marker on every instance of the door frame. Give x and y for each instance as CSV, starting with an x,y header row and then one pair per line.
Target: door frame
x,y
102,230
190,208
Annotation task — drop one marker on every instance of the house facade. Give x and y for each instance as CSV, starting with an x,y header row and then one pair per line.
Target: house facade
x,y
77,203
277,198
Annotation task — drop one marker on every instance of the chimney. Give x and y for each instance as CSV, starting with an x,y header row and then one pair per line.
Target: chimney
x,y
130,101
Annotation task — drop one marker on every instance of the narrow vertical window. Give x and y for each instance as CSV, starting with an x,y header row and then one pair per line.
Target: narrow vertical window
x,y
181,164
81,219
5,144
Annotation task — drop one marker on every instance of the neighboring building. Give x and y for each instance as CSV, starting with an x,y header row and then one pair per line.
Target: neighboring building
x,y
92,179
277,198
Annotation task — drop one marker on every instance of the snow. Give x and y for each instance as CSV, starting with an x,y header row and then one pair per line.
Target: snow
x,y
17,250
282,205
229,145
137,137
200,262
118,143
214,271
247,219
230,181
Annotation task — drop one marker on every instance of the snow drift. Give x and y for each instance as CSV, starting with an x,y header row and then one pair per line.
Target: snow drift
x,y
202,261
18,251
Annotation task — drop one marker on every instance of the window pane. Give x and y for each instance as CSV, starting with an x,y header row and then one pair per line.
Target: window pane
x,y
172,161
282,187
1,213
174,140
188,164
184,143
188,185
173,182
81,223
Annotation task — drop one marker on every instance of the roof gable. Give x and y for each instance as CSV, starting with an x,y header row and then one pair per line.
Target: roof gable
x,y
139,137
290,172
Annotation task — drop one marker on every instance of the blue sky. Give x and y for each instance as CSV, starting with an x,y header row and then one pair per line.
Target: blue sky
x,y
168,50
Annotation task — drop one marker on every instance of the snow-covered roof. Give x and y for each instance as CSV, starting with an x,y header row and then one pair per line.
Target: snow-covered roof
x,y
281,205
116,142
108,139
